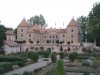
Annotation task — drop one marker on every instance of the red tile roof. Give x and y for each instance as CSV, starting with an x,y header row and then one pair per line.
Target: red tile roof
x,y
72,23
23,23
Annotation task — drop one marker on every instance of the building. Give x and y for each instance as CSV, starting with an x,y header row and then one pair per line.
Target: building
x,y
9,45
38,38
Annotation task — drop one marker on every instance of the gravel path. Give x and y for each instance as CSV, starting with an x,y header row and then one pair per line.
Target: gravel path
x,y
31,67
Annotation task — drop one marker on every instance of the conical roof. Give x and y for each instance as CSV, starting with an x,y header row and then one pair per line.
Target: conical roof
x,y
72,23
23,23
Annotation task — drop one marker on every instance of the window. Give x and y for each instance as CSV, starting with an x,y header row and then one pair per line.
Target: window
x,y
71,41
47,41
71,30
50,36
52,41
21,30
29,35
21,35
63,35
38,41
56,36
45,36
72,36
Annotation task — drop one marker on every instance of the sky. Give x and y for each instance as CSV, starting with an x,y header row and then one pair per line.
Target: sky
x,y
57,13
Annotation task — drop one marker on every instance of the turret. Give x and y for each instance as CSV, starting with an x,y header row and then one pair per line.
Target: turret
x,y
72,32
22,31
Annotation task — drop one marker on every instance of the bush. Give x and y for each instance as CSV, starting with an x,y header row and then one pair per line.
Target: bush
x,y
86,63
86,73
2,70
33,56
53,57
44,53
10,58
27,73
73,56
5,68
61,55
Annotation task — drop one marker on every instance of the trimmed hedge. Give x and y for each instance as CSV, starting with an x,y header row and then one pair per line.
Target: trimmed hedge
x,y
10,59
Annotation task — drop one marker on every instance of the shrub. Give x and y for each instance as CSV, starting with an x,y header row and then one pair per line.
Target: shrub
x,y
61,55
27,73
53,57
73,56
86,63
33,56
86,73
44,53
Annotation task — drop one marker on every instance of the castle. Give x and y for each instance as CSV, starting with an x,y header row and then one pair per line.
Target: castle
x,y
35,38
43,39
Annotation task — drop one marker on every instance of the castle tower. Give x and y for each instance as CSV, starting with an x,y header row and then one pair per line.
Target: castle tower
x,y
22,31
72,32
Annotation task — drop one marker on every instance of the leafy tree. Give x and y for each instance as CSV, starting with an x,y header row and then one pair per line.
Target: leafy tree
x,y
82,21
85,35
3,29
15,31
37,19
94,22
73,56
2,35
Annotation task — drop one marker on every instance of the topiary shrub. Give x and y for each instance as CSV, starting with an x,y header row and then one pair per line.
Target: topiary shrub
x,y
73,56
53,57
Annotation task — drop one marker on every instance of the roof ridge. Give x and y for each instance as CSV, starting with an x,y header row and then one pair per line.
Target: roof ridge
x,y
23,23
72,23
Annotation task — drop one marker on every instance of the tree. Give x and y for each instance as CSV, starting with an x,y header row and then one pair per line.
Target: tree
x,y
94,22
15,32
37,19
82,22
2,35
